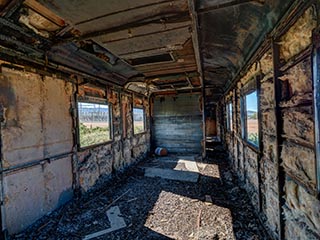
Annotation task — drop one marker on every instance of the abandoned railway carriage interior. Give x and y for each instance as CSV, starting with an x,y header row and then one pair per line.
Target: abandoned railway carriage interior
x,y
160,119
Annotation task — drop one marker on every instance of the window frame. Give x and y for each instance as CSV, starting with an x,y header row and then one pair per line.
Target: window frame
x,y
229,113
144,120
251,87
93,100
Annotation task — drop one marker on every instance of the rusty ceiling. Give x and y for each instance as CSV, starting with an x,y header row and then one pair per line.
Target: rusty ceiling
x,y
162,46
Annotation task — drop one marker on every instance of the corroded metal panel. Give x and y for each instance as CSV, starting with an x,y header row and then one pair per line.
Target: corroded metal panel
x,y
96,15
22,133
226,43
34,113
31,193
37,126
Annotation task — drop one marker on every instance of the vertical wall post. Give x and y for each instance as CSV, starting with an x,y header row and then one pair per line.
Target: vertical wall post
x,y
316,92
279,139
258,84
2,236
236,126
204,153
195,41
3,231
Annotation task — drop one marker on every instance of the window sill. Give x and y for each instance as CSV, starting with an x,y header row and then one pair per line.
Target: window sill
x,y
251,146
139,134
82,149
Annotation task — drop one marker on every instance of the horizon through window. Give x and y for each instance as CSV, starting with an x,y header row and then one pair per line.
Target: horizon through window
x,y
94,123
252,127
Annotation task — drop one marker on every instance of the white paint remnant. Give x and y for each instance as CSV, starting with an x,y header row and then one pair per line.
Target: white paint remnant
x,y
115,220
190,165
172,174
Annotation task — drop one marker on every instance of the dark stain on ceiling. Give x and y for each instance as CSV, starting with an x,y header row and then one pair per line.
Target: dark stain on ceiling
x,y
228,35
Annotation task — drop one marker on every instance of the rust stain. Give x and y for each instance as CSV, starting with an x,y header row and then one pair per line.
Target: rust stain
x,y
6,200
124,121
93,92
112,96
5,163
138,102
7,94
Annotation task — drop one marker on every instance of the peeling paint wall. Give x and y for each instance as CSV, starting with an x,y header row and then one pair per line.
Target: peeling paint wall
x,y
301,208
244,159
125,149
42,166
291,146
268,161
33,131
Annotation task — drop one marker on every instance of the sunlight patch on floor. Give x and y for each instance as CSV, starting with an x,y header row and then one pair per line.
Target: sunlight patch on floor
x,y
181,217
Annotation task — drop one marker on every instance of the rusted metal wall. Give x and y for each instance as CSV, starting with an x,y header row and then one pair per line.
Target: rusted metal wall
x,y
41,165
177,123
37,126
280,177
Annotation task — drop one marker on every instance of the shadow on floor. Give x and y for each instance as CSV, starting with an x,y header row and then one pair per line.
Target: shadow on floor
x,y
156,208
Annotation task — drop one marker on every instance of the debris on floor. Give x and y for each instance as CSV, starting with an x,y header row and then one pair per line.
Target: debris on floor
x,y
116,222
188,162
158,208
160,151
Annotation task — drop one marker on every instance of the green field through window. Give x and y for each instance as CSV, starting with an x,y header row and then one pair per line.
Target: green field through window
x,y
138,120
94,123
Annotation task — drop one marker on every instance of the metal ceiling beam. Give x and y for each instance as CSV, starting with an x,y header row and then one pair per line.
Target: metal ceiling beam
x,y
171,71
146,34
173,76
177,83
177,90
178,17
150,51
123,11
180,68
196,46
227,4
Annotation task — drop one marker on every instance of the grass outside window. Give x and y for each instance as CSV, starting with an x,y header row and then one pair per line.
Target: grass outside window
x,y
138,120
94,123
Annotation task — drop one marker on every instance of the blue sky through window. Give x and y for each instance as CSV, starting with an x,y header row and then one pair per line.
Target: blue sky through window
x,y
251,101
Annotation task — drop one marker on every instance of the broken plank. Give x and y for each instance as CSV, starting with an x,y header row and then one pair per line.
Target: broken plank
x,y
172,174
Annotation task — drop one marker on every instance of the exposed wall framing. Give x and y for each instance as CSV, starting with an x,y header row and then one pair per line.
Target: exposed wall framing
x,y
316,87
282,174
40,159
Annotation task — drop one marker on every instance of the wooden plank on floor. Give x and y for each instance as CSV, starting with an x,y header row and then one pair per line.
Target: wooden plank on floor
x,y
172,174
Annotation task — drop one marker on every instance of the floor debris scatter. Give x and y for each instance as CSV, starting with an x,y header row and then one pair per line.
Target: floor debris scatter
x,y
116,223
139,207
